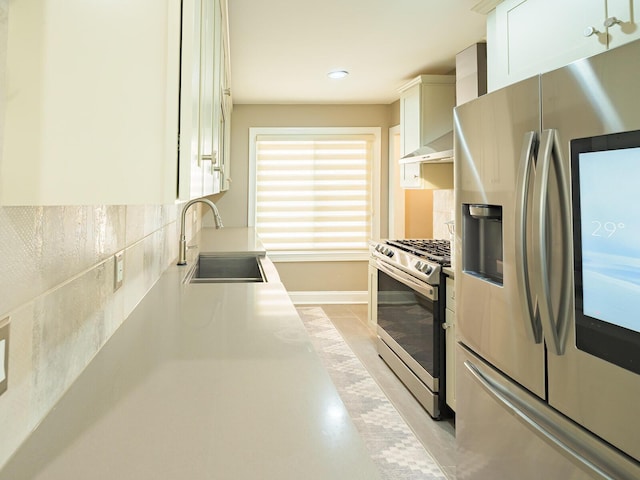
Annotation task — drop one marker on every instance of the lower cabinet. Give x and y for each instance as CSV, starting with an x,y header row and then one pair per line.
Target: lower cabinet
x,y
450,343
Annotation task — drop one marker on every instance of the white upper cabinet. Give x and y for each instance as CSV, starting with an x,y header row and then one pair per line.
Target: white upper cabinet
x,y
190,164
222,97
426,112
426,121
203,57
93,107
209,100
622,18
199,100
527,37
91,111
226,105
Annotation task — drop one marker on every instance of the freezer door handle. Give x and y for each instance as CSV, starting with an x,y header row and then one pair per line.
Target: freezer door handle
x,y
529,309
555,330
570,439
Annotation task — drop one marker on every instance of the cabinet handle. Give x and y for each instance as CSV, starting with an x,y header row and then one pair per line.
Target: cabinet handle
x,y
589,31
213,158
611,21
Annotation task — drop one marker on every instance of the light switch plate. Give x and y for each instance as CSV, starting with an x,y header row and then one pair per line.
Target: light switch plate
x,y
119,271
4,354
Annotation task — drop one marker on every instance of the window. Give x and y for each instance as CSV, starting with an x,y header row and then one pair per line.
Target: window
x,y
312,191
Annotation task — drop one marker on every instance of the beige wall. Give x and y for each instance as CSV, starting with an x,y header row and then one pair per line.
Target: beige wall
x,y
233,205
395,113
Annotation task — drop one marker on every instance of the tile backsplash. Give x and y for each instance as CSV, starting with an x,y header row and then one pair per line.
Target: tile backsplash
x,y
57,287
443,211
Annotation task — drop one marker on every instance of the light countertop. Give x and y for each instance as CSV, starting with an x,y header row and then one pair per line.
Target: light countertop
x,y
203,381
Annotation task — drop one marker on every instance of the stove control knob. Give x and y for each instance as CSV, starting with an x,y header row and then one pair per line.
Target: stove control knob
x,y
384,250
424,267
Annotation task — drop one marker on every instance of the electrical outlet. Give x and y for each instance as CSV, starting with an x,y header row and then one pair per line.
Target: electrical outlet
x,y
119,270
4,354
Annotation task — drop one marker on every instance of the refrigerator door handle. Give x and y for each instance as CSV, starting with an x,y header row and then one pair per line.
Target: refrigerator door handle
x,y
555,330
568,438
529,309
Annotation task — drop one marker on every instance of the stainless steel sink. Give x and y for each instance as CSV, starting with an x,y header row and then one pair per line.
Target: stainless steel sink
x,y
227,269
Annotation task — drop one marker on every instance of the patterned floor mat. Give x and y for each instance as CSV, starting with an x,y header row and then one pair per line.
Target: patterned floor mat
x,y
394,448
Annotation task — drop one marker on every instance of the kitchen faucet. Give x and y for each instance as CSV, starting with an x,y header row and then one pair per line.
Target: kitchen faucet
x,y
182,257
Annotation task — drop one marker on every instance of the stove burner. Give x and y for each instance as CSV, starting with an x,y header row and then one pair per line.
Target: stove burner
x,y
438,251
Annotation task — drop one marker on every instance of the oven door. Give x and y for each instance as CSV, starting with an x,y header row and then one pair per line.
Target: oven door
x,y
409,323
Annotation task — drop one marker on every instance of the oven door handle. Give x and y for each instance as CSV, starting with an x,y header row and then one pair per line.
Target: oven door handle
x,y
406,279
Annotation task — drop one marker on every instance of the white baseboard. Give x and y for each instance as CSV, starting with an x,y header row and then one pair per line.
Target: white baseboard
x,y
328,297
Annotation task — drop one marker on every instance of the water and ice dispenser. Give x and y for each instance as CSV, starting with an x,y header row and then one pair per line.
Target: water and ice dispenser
x,y
482,247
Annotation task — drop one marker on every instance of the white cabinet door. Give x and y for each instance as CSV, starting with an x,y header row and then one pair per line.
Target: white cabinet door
x,y
527,37
191,168
426,115
410,124
410,121
226,104
534,36
209,98
91,102
109,102
410,175
203,60
426,111
625,12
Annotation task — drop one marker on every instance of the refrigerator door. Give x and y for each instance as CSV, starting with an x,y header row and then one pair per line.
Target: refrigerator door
x,y
495,142
505,432
591,97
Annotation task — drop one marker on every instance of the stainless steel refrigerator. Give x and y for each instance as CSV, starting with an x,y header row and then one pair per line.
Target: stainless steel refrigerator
x,y
547,273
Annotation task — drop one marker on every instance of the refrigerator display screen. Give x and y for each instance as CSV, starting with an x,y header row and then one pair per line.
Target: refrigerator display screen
x,y
611,236
605,172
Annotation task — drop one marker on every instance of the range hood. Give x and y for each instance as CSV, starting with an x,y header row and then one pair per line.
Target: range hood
x,y
439,150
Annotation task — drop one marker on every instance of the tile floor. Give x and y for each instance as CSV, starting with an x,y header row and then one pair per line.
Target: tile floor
x,y
438,438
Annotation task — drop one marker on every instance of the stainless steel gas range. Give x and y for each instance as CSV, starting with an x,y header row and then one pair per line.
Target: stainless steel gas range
x,y
410,315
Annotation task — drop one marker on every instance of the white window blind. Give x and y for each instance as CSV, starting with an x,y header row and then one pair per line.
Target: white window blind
x,y
313,192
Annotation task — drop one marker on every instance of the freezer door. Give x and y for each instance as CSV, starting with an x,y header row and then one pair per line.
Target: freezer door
x,y
505,432
591,97
495,139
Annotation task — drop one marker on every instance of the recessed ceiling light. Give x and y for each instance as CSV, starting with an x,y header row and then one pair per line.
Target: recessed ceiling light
x,y
338,74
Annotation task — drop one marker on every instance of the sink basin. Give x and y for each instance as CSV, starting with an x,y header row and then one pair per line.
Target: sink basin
x,y
226,269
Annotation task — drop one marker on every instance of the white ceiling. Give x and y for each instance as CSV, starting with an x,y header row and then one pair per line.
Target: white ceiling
x,y
281,50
